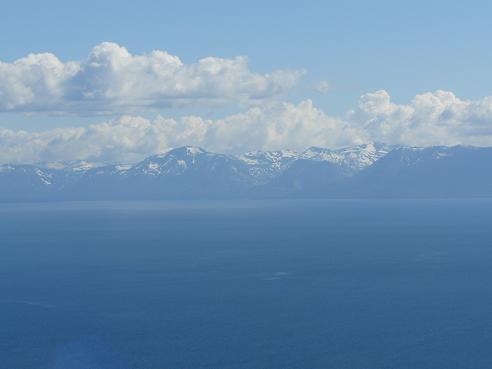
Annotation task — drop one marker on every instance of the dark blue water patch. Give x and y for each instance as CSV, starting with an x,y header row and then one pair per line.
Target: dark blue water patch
x,y
272,285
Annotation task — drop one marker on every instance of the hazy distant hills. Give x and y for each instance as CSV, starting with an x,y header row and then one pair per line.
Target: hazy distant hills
x,y
372,170
459,171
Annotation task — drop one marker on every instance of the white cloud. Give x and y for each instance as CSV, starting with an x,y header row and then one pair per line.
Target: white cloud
x,y
113,80
131,138
438,118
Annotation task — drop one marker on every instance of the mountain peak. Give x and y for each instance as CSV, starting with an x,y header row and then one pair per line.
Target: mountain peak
x,y
365,170
187,151
353,158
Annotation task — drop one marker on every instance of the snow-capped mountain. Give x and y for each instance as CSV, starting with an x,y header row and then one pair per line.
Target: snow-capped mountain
x,y
179,173
266,165
459,171
192,172
185,161
352,159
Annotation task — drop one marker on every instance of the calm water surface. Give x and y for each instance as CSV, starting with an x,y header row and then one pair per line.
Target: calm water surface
x,y
257,285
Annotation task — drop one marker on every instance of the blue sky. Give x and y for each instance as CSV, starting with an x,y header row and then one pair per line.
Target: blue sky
x,y
357,46
354,47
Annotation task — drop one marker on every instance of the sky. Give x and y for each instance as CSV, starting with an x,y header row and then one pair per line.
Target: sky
x,y
116,81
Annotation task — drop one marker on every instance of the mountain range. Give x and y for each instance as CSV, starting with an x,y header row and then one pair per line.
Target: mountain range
x,y
364,171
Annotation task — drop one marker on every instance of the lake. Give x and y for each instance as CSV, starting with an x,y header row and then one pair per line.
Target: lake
x,y
332,284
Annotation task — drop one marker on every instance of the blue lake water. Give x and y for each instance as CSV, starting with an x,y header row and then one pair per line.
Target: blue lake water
x,y
260,285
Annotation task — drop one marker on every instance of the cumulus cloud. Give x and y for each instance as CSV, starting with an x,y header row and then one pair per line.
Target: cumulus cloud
x,y
438,118
111,80
432,118
130,138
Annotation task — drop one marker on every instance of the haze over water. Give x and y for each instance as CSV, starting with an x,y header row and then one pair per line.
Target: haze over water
x,y
256,285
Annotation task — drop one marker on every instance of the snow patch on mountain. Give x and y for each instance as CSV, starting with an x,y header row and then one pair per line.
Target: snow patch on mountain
x,y
44,177
77,166
265,165
354,158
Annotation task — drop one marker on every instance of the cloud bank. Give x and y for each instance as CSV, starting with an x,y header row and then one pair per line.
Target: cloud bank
x,y
131,138
112,80
438,118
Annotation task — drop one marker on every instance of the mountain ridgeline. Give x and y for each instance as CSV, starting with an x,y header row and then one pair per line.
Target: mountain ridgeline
x,y
365,171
